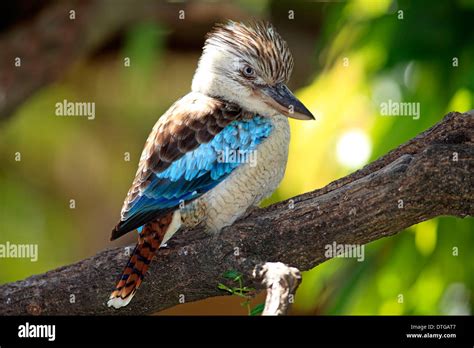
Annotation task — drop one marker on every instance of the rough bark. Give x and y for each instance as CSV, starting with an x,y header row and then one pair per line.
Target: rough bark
x,y
429,176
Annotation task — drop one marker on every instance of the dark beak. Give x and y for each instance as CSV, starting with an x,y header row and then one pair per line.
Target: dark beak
x,y
281,99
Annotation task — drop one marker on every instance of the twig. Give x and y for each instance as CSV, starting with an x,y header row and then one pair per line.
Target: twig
x,y
281,282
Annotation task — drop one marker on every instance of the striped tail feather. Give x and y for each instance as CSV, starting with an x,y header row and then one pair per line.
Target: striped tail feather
x,y
149,241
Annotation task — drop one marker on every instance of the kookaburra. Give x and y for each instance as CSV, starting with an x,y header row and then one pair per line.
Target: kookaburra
x,y
195,167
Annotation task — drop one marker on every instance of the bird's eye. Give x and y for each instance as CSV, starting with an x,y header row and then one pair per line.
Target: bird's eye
x,y
248,71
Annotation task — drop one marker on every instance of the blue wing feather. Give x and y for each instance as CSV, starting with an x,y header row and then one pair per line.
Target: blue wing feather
x,y
200,170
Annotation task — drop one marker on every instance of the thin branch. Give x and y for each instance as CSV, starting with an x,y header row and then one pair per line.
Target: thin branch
x,y
281,282
429,176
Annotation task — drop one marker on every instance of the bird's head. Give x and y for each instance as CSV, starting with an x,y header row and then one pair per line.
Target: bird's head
x,y
250,66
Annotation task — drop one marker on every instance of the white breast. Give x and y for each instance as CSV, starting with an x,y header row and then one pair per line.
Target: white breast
x,y
246,186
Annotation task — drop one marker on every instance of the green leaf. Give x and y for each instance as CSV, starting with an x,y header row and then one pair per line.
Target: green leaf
x,y
258,309
247,289
225,288
232,274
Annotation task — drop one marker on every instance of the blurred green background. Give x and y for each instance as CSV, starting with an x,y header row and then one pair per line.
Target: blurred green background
x,y
350,57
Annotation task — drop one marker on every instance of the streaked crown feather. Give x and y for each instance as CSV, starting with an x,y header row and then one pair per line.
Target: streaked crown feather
x,y
257,44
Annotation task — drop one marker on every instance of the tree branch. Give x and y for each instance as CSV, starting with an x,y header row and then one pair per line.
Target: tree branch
x,y
429,176
281,282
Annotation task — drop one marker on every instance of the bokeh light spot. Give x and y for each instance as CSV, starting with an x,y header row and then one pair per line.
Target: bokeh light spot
x,y
353,148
